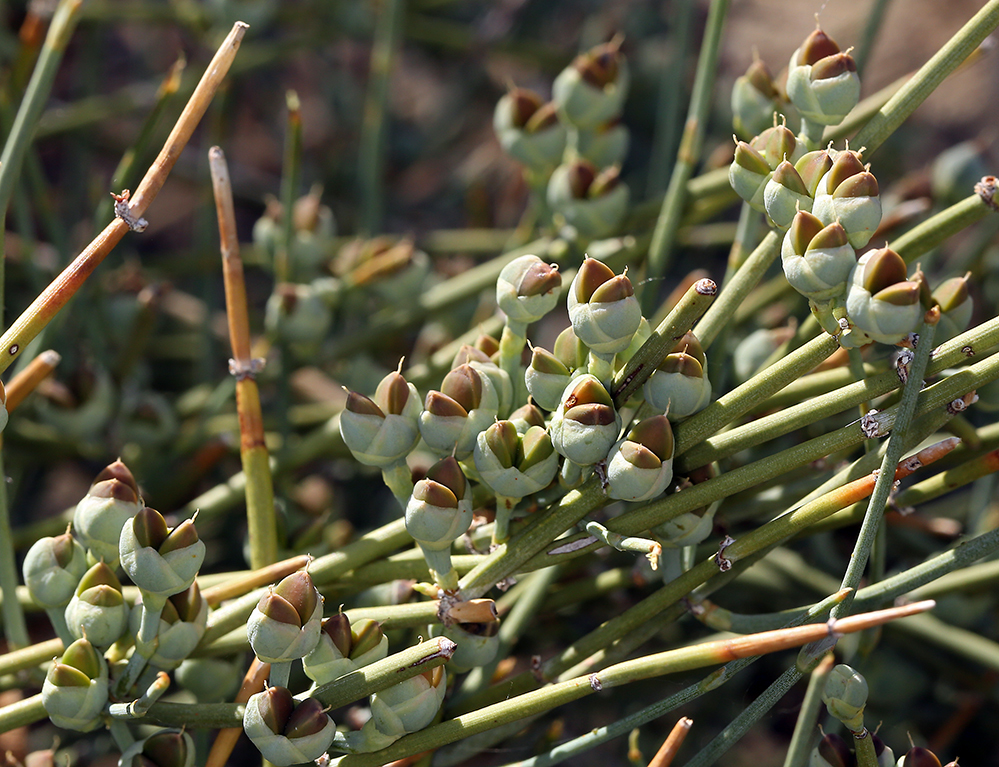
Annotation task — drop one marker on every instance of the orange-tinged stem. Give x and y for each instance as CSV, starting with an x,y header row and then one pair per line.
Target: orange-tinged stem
x,y
667,751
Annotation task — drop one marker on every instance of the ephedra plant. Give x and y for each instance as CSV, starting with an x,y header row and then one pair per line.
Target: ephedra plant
x,y
563,518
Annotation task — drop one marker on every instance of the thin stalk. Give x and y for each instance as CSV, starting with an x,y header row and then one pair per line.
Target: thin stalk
x,y
893,453
926,235
668,750
747,719
260,512
929,76
284,269
804,726
15,628
735,290
62,288
371,153
650,666
694,302
689,154
668,101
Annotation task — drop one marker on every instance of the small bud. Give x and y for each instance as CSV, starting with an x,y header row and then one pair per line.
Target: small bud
x,y
439,512
845,696
515,465
527,416
817,259
286,622
680,385
344,648
880,302
593,203
99,517
528,130
784,195
97,610
401,709
602,308
546,377
182,625
956,307
640,466
52,569
754,100
157,564
75,690
477,643
592,89
527,289
284,732
849,194
166,748
748,175
585,424
382,434
822,82
467,404
569,350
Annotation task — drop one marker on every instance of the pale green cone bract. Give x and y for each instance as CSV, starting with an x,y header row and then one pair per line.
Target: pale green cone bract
x,y
605,145
75,690
880,302
167,568
687,529
52,569
591,91
817,260
845,696
784,195
440,509
546,378
286,623
640,466
586,424
453,417
602,308
529,130
477,643
383,431
748,175
849,193
515,465
97,610
284,731
527,289
113,499
410,705
165,748
680,386
593,203
956,308
754,100
367,644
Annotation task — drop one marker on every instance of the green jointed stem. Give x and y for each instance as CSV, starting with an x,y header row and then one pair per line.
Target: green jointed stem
x,y
371,153
886,477
804,727
691,143
863,746
284,269
15,628
734,291
929,76
926,235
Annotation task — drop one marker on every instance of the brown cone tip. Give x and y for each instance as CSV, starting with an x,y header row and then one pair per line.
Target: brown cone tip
x,y
580,175
833,749
685,364
169,613
487,345
535,447
859,185
599,66
393,393
952,293
591,414
358,403
788,177
466,354
605,181
435,494
845,165
538,279
544,118
804,227
900,294
366,635
99,574
588,391
925,296
442,406
523,103
917,756
66,676
300,592
167,748
102,596
812,167
279,609
529,414
464,386
187,603
182,536
307,719
689,344
832,236
113,488
448,473
760,77
748,158
883,267
833,66
337,628
639,456
62,548
780,145
567,347
817,46
615,289
656,434
434,675
118,470
275,706
83,656
503,440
